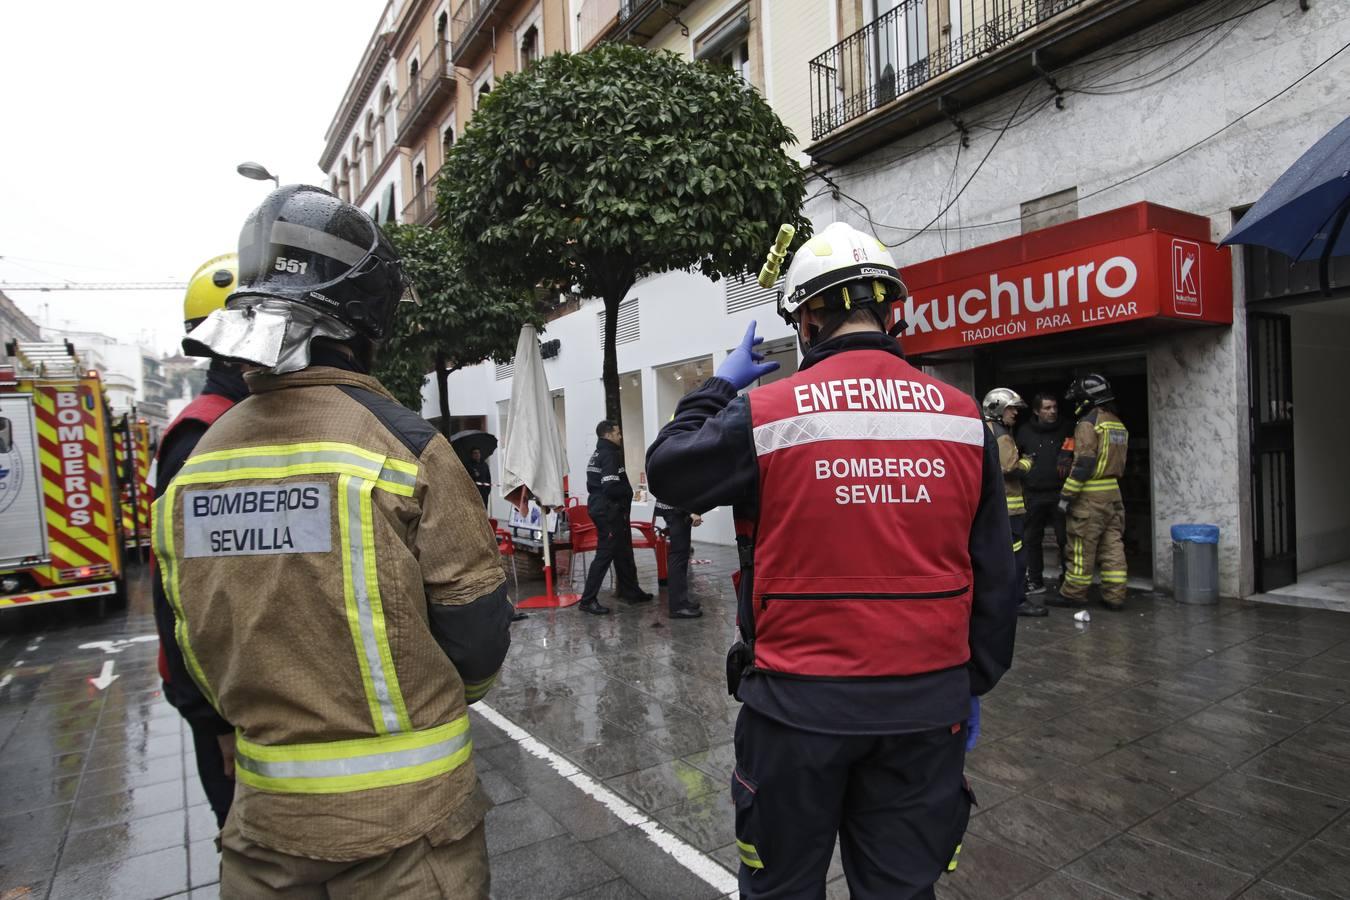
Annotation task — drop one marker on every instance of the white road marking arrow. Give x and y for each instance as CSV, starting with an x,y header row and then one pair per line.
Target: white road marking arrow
x,y
120,645
106,677
4,682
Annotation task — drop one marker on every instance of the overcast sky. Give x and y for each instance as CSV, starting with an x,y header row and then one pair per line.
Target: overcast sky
x,y
123,124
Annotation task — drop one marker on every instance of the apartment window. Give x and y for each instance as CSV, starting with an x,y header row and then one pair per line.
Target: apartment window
x,y
442,28
386,117
482,86
414,86
356,175
369,139
447,140
900,48
419,178
529,47
727,43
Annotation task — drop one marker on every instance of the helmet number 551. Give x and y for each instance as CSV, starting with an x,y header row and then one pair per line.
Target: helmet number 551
x,y
294,266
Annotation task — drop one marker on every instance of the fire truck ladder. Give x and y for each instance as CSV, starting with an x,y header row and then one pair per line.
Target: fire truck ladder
x,y
46,359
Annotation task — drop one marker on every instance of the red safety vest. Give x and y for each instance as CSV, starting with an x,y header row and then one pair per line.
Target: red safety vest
x,y
205,408
869,478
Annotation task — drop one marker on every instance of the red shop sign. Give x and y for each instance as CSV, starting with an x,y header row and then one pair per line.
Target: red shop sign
x,y
1138,262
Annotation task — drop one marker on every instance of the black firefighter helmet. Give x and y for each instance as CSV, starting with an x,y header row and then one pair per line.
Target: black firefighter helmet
x,y
305,246
1089,390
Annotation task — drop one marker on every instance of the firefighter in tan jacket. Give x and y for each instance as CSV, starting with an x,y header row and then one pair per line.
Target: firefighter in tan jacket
x,y
1091,496
1000,408
337,590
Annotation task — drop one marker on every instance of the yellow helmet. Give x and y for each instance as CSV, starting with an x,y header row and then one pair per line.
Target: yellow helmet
x,y
213,281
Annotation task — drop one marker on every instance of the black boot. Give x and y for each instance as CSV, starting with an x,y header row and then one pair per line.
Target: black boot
x,y
593,607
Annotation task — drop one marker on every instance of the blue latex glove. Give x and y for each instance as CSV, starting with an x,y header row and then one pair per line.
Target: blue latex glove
x,y
973,724
744,366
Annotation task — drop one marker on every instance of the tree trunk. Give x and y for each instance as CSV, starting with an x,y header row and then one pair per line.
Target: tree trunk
x,y
609,373
443,392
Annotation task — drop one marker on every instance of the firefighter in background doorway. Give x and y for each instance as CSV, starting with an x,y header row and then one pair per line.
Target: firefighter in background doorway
x,y
207,289
1091,496
1000,407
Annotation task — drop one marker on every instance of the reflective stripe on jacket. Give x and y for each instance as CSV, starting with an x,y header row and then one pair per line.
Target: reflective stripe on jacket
x,y
1014,467
1100,445
306,547
864,445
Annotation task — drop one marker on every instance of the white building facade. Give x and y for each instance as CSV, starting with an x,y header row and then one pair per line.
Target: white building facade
x,y
953,153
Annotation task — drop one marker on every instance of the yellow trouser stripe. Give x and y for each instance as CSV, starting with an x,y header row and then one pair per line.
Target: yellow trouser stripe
x,y
1017,546
956,858
354,765
749,855
477,690
1015,503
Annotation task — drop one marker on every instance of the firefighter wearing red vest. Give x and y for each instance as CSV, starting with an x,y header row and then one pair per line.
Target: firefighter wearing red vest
x,y
207,289
1000,408
1090,498
876,585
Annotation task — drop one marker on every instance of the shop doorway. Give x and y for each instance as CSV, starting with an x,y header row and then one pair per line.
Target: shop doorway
x,y
1274,511
1033,373
1301,526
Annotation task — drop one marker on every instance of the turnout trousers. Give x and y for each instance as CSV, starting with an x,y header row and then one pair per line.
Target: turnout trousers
x,y
613,544
1096,530
898,803
437,865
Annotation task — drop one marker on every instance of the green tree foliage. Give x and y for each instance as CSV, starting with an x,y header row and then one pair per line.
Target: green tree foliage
x,y
459,322
593,170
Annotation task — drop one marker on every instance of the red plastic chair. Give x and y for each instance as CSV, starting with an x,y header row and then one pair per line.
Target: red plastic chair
x,y
584,537
507,547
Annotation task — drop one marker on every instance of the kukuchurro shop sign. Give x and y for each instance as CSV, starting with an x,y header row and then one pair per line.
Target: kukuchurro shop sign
x,y
1138,262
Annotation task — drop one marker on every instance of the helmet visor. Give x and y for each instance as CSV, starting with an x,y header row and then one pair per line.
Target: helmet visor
x,y
271,334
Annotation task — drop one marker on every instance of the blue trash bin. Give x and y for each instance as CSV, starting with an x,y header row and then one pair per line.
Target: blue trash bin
x,y
1195,563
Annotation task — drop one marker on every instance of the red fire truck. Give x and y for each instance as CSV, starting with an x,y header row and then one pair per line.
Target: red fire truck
x,y
60,529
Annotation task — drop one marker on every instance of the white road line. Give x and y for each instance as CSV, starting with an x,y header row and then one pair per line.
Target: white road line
x,y
4,682
687,855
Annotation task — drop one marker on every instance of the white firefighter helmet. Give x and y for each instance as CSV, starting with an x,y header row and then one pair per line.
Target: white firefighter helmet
x,y
998,400
841,266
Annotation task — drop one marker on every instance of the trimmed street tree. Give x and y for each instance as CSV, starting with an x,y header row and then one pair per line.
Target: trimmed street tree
x,y
593,170
459,323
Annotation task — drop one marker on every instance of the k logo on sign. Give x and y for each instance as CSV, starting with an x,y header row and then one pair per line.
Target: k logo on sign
x,y
1186,297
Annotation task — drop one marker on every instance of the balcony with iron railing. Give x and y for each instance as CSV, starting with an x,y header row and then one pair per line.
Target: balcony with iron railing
x,y
426,94
422,209
471,28
926,60
633,21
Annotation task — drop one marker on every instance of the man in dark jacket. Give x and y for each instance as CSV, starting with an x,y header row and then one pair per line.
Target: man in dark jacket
x,y
875,593
480,473
1046,439
609,501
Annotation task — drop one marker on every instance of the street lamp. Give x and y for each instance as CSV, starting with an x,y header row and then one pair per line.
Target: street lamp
x,y
257,172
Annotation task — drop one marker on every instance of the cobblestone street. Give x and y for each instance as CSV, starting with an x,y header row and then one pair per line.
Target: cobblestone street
x,y
1169,751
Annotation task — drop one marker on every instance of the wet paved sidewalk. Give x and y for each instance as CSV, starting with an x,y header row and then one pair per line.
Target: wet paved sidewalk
x,y
1167,751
